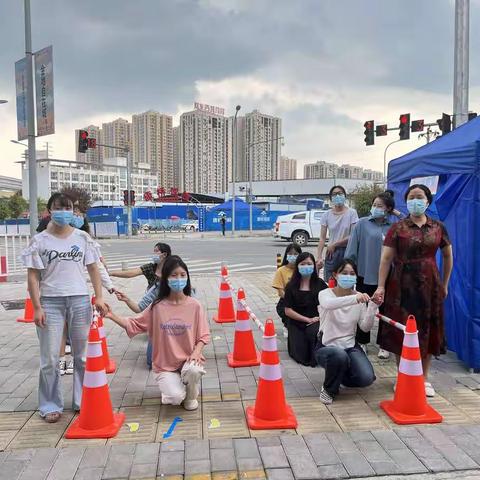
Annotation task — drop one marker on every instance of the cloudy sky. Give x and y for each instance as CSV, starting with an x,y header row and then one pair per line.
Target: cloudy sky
x,y
324,66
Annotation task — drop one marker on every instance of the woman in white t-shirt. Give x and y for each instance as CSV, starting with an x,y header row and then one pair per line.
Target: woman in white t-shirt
x,y
339,222
341,309
56,259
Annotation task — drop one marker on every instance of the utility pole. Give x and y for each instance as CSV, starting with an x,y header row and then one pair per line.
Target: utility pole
x,y
461,62
234,164
32,160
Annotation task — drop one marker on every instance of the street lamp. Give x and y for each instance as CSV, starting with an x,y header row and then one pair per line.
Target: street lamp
x,y
3,101
234,164
19,143
385,163
250,176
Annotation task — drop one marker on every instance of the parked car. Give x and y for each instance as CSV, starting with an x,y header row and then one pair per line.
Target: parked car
x,y
191,226
299,227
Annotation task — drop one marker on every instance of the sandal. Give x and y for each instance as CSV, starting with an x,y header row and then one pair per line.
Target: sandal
x,y
52,417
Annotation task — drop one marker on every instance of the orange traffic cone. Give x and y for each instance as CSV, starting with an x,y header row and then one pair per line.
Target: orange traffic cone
x,y
28,313
96,419
244,353
271,410
110,365
409,405
226,312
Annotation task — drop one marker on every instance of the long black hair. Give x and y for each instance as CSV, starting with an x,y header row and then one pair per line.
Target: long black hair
x,y
315,282
163,248
340,265
290,246
171,263
60,200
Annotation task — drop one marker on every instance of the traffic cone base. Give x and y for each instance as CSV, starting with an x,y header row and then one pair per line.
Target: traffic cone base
x,y
430,415
28,312
76,431
288,421
242,363
223,320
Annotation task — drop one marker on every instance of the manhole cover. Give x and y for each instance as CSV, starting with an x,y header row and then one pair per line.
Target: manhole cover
x,y
13,304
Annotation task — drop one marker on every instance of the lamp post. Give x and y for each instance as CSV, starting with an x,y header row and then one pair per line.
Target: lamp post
x,y
385,163
3,101
250,178
234,164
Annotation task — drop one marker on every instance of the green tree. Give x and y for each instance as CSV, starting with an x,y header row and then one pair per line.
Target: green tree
x,y
17,205
362,197
4,209
80,196
41,206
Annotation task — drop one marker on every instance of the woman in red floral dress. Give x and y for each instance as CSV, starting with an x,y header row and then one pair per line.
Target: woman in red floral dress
x,y
414,284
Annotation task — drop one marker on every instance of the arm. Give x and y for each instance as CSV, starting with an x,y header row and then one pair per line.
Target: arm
x,y
105,278
280,291
321,246
130,273
353,244
94,274
123,322
289,312
367,318
447,264
278,284
132,325
134,307
33,281
332,303
388,254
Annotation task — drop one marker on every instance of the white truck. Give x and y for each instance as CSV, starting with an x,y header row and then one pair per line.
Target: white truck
x,y
299,227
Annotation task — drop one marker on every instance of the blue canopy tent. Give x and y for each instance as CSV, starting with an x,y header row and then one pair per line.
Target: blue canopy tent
x,y
455,160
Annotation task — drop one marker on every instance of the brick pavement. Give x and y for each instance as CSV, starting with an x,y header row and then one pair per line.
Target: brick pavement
x,y
351,438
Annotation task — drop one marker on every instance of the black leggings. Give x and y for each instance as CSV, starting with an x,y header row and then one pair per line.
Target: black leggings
x,y
363,338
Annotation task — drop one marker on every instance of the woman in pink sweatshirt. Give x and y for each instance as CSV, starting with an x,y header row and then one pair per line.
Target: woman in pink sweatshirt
x,y
178,329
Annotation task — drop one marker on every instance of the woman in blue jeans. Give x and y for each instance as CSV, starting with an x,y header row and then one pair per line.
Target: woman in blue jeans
x,y
340,310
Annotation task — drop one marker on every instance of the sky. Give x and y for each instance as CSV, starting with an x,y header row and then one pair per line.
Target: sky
x,y
323,66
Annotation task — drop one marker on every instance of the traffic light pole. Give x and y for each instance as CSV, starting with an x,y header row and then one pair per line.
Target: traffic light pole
x,y
461,63
385,162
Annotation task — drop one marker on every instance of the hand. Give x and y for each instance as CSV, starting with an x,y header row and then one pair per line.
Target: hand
x,y
330,250
39,317
121,296
445,291
196,357
320,264
313,320
376,301
112,290
379,295
363,298
102,307
109,314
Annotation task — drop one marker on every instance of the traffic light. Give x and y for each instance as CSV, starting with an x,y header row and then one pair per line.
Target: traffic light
x,y
369,132
418,125
132,197
381,130
92,143
125,197
82,141
445,123
404,126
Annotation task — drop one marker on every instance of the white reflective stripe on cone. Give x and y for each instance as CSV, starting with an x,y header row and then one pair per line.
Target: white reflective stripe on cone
x,y
240,307
242,325
270,372
411,340
410,367
101,332
94,349
269,344
225,293
95,379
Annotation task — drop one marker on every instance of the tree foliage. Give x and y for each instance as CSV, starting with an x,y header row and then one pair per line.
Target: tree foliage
x,y
41,206
80,196
4,210
362,197
17,205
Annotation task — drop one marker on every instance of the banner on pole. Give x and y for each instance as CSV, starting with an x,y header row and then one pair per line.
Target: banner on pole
x,y
21,91
44,91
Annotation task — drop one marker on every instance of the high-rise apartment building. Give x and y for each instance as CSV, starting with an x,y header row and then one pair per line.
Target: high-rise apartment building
x,y
117,134
93,156
177,163
331,170
152,144
259,143
288,168
204,152
320,169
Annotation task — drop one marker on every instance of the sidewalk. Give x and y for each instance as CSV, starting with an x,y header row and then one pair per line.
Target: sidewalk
x,y
351,438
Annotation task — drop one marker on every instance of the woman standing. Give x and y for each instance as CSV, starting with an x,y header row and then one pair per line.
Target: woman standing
x,y
415,286
178,329
56,259
365,249
338,222
283,276
301,309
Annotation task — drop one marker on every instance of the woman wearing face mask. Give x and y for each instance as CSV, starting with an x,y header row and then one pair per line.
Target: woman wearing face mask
x,y
301,302
341,310
283,276
365,249
56,259
178,328
415,286
339,222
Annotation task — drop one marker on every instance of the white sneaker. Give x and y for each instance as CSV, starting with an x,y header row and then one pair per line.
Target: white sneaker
x,y
364,347
62,366
68,349
69,369
190,404
383,354
429,390
325,397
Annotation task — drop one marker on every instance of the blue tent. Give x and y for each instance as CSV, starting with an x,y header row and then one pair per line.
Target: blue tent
x,y
455,159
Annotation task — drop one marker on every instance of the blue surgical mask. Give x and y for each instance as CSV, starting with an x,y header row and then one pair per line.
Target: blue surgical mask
x,y
346,281
177,284
156,259
376,212
62,217
292,258
77,221
305,270
338,199
417,206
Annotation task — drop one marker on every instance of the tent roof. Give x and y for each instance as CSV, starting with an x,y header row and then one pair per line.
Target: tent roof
x,y
456,152
240,205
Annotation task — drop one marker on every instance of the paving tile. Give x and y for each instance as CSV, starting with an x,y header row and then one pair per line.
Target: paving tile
x,y
189,428
355,464
12,469
279,474
457,457
66,464
385,468
273,457
321,449
388,439
171,463
89,473
342,442
223,459
40,464
197,450
231,418
147,419
332,471
173,446
146,453
299,457
312,416
221,443
143,471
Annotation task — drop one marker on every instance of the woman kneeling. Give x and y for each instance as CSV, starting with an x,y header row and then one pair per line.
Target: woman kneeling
x,y
178,329
341,309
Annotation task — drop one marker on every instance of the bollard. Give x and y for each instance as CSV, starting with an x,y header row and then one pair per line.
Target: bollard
x,y
124,265
279,260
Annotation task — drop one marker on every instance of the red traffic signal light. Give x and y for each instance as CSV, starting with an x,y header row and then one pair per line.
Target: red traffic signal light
x,y
82,141
125,197
404,126
132,197
369,132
